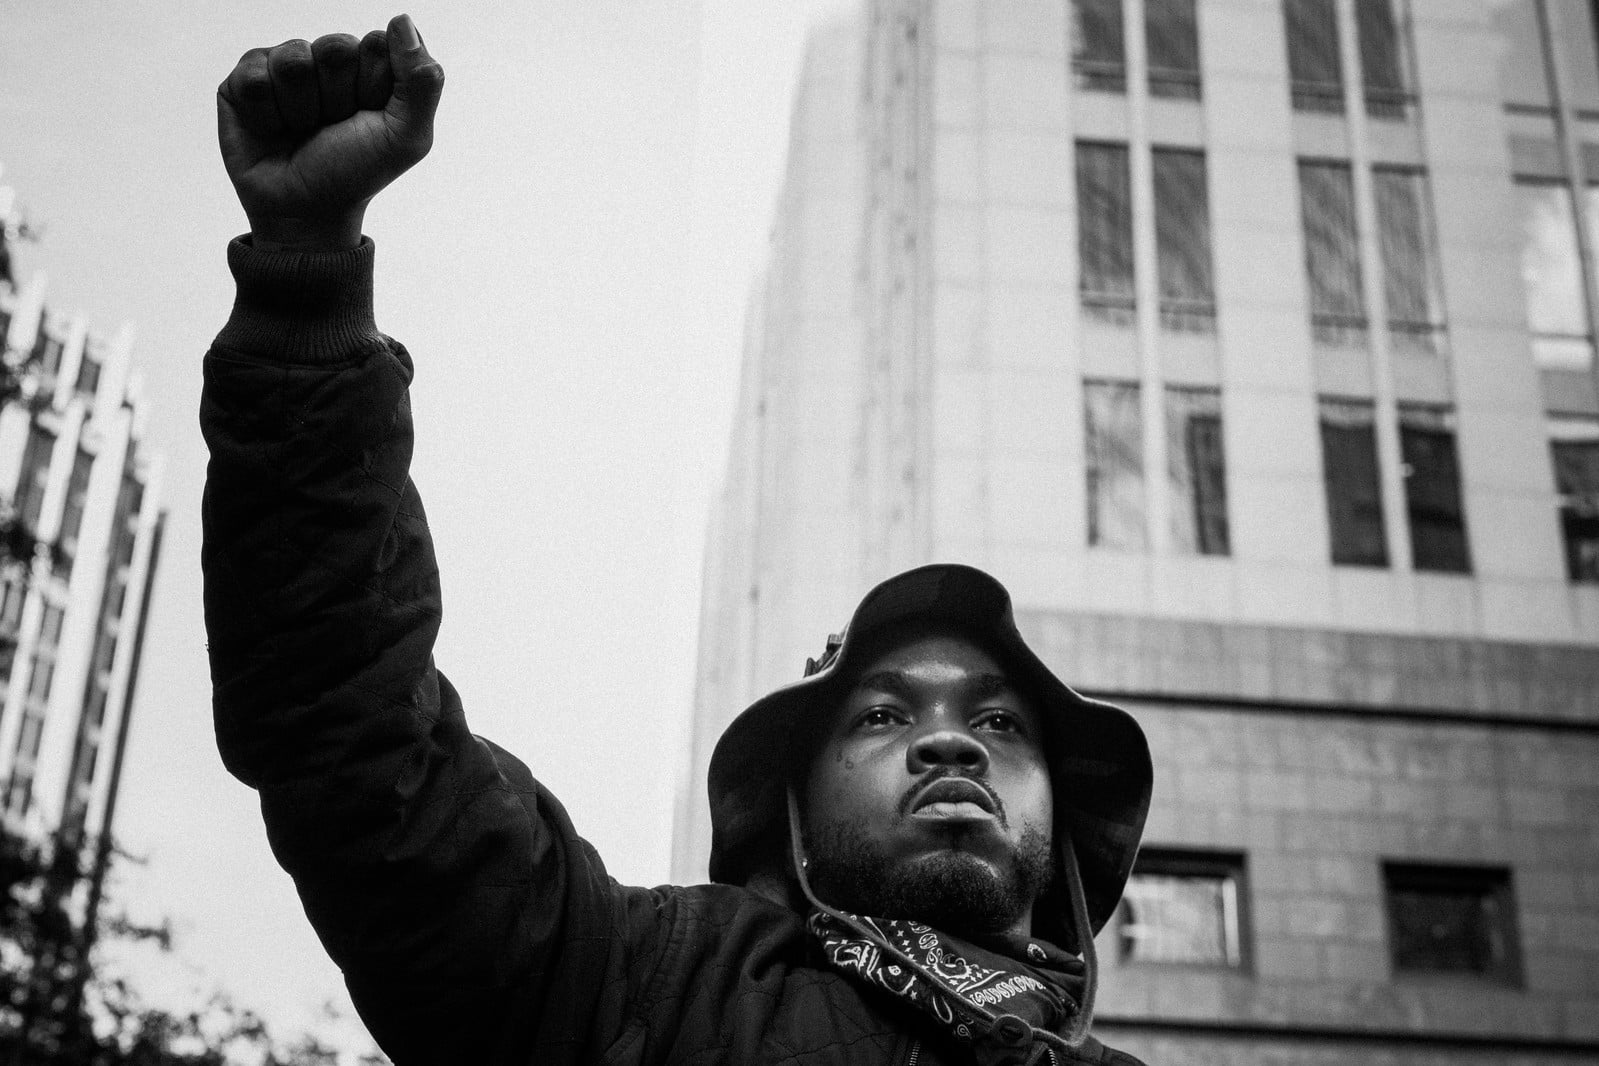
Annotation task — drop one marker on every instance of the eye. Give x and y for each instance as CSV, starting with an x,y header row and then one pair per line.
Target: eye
x,y
878,717
999,720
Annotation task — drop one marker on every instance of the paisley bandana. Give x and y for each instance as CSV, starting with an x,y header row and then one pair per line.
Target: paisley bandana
x,y
997,1003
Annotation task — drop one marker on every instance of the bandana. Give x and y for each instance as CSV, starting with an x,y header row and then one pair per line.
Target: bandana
x,y
1006,1009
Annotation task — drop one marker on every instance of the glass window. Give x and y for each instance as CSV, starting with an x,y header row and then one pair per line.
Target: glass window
x,y
1383,58
1432,489
1354,486
88,376
1313,62
1099,50
1551,272
1197,471
1571,28
1115,455
1574,443
36,454
1182,908
1332,253
1523,65
1452,920
1182,241
1411,280
72,511
1171,34
1105,231
46,350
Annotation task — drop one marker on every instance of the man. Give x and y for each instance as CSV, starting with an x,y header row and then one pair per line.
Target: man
x,y
913,844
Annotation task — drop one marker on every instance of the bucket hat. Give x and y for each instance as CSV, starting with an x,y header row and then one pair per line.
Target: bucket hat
x,y
1098,758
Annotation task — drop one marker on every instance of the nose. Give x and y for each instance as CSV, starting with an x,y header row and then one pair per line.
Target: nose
x,y
946,748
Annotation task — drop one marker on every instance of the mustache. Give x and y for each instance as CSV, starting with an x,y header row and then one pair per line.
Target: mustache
x,y
934,776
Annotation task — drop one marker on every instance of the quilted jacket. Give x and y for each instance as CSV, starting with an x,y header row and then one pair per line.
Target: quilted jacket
x,y
472,924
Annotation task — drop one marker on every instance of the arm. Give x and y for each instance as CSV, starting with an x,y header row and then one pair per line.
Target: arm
x,y
441,878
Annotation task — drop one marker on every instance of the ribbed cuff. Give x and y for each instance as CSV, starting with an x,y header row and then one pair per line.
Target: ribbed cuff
x,y
301,307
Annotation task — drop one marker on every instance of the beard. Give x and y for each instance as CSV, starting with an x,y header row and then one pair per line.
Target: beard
x,y
953,891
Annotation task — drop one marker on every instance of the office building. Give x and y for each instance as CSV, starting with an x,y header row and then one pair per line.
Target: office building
x,y
1251,344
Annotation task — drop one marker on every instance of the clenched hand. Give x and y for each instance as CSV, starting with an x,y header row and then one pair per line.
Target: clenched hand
x,y
311,132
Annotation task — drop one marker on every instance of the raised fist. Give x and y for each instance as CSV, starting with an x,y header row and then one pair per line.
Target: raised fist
x,y
311,132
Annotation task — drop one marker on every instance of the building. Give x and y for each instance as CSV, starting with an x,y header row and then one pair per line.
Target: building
x,y
1251,343
75,479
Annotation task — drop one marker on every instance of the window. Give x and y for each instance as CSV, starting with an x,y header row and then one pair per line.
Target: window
x,y
1452,920
1354,487
1115,464
1332,253
1551,272
1383,66
1432,489
1171,36
1182,908
1523,69
1411,280
1105,232
1099,54
1575,446
1182,241
46,352
88,376
72,510
1197,471
1314,70
35,474
1571,32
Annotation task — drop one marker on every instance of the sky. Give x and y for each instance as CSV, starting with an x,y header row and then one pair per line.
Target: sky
x,y
568,269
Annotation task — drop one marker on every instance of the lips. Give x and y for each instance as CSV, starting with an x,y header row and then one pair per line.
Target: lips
x,y
954,794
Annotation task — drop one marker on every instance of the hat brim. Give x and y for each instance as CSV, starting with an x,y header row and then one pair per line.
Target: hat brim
x,y
1098,757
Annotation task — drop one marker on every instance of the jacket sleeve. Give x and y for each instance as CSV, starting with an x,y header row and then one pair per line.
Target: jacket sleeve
x,y
445,882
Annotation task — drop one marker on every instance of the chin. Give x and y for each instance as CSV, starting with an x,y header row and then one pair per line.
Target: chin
x,y
952,890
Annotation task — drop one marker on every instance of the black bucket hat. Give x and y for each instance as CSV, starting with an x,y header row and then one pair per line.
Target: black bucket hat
x,y
1098,758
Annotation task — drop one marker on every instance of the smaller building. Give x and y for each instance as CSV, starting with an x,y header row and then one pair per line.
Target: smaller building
x,y
80,501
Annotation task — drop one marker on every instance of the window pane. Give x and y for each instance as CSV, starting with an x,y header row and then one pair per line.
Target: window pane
x,y
1332,253
1410,272
1354,487
1115,465
1105,228
1575,446
1196,471
1382,59
1099,54
1523,69
1551,271
35,474
1572,31
1447,920
1182,908
1182,241
1432,489
1313,62
1171,33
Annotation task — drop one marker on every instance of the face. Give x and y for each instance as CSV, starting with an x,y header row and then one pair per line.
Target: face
x,y
929,796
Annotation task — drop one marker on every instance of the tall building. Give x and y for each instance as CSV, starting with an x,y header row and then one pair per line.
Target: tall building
x,y
78,490
1251,344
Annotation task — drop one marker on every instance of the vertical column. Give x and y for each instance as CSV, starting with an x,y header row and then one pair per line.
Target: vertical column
x,y
1146,282
1389,458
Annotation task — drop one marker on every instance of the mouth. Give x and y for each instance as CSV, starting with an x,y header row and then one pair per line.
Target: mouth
x,y
954,799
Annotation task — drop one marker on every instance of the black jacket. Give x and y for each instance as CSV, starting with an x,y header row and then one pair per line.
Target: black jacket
x,y
473,925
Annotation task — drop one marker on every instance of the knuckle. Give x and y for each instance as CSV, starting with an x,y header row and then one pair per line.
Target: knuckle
x,y
293,60
336,49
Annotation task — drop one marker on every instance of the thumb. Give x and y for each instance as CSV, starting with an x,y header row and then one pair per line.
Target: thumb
x,y
418,82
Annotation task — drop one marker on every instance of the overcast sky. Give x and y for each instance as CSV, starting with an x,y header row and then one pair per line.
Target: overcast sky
x,y
568,269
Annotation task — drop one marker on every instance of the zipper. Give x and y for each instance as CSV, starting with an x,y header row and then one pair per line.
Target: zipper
x,y
916,1053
